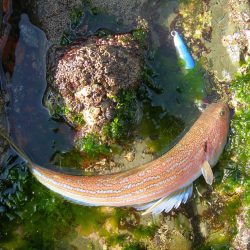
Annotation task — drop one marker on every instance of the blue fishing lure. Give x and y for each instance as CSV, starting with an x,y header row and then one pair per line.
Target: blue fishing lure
x,y
183,50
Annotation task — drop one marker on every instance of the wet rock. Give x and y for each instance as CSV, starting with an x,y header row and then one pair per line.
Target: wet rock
x,y
93,241
242,239
84,78
128,11
230,40
204,229
54,16
236,44
130,156
110,225
170,236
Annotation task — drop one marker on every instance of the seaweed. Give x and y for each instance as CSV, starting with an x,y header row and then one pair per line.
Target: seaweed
x,y
140,35
14,178
92,146
75,16
240,144
62,111
125,116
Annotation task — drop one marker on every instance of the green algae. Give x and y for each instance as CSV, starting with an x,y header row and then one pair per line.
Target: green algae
x,y
92,146
240,144
141,232
135,246
14,181
90,220
66,38
125,115
60,111
240,124
140,35
41,219
70,158
75,16
162,132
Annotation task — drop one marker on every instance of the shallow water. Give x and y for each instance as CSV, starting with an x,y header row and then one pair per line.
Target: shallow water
x,y
37,218
35,131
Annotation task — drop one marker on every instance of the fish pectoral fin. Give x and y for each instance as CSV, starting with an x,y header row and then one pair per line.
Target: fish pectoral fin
x,y
207,172
167,203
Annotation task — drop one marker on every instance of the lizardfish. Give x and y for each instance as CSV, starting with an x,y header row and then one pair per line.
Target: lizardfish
x,y
183,50
159,185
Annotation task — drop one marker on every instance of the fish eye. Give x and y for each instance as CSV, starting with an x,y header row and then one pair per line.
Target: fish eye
x,y
222,112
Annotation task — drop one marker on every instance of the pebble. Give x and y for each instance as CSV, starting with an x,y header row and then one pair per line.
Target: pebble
x,y
130,156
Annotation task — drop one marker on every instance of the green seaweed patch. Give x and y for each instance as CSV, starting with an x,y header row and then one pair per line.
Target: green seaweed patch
x,y
66,39
90,220
62,111
140,36
94,11
78,119
240,143
92,146
14,177
43,220
147,77
141,231
160,132
246,201
116,239
71,158
135,246
75,16
218,243
120,213
125,116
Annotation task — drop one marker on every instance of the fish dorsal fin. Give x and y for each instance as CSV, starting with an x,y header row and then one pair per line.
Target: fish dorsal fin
x,y
167,203
207,173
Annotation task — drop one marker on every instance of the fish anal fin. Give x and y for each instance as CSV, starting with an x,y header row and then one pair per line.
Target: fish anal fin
x,y
169,202
207,173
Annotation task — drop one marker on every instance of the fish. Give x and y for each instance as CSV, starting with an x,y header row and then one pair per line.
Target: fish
x,y
182,50
157,186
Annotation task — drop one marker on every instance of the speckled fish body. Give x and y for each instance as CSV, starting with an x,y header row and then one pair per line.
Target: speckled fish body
x,y
183,50
151,182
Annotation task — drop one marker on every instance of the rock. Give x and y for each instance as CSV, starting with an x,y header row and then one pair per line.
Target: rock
x,y
127,11
84,77
230,41
169,236
236,44
242,239
54,16
130,156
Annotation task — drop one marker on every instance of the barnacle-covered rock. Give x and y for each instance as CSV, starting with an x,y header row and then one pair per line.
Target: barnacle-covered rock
x,y
85,77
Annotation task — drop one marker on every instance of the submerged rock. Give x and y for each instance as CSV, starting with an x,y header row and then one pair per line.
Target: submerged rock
x,y
242,240
85,77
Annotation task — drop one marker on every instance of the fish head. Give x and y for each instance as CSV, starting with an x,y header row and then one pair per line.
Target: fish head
x,y
217,132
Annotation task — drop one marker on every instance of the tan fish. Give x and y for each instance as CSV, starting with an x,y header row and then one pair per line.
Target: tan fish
x,y
159,185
